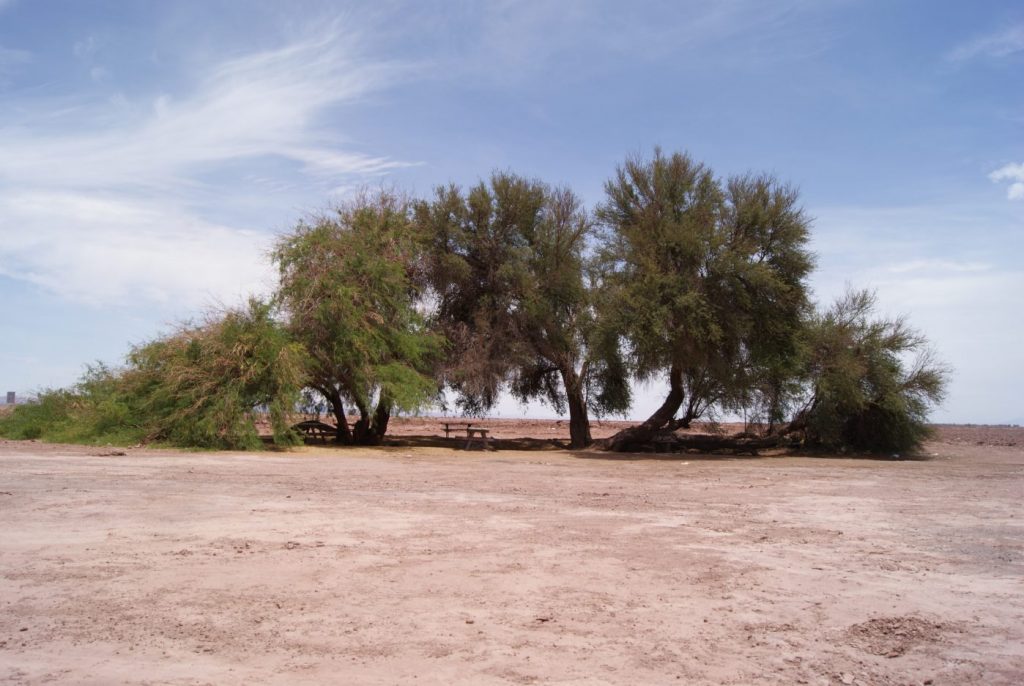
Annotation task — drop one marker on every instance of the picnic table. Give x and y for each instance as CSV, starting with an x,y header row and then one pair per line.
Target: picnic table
x,y
313,428
458,425
474,434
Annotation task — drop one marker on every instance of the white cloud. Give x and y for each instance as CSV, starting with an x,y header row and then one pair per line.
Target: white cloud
x,y
100,204
999,44
264,104
100,249
1014,173
86,48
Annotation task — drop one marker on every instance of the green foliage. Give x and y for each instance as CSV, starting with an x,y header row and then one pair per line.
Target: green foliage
x,y
198,387
706,280
871,380
478,271
510,267
94,411
350,285
513,285
201,385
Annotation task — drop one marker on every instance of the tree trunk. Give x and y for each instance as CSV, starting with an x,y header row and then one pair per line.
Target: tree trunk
x,y
638,435
344,434
579,421
381,416
361,428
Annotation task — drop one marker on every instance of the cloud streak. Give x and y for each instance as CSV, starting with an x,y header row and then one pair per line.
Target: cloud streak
x,y
264,104
100,204
118,250
994,45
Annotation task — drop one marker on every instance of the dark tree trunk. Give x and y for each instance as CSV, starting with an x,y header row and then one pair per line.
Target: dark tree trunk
x,y
579,420
370,429
344,434
381,416
361,428
640,435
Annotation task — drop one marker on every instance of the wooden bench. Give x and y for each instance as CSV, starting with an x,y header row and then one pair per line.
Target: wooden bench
x,y
459,426
315,429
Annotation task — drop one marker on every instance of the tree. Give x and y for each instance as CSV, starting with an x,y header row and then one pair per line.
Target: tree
x,y
706,284
513,284
870,381
201,385
351,284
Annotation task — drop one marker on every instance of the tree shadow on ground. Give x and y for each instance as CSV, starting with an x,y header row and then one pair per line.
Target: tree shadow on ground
x,y
610,456
527,444
455,443
596,454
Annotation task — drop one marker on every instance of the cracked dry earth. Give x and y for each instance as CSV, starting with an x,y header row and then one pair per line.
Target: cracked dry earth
x,y
426,565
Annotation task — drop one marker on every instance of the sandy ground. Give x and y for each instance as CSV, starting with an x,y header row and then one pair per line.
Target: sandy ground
x,y
428,565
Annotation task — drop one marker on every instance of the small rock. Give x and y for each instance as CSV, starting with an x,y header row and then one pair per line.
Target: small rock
x,y
846,678
470,621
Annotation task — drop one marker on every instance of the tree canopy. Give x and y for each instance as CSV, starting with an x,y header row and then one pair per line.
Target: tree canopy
x,y
511,271
350,286
869,381
201,386
513,286
706,283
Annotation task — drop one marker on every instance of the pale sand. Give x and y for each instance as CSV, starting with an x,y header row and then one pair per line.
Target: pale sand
x,y
432,566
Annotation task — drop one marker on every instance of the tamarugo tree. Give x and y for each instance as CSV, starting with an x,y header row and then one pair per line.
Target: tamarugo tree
x,y
201,385
868,381
512,279
351,284
705,283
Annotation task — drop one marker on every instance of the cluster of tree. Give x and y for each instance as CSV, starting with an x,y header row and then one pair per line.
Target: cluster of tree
x,y
388,302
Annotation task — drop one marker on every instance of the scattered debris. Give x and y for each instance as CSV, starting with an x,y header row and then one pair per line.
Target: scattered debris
x,y
894,636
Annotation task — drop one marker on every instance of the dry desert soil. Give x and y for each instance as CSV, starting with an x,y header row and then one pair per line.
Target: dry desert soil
x,y
421,564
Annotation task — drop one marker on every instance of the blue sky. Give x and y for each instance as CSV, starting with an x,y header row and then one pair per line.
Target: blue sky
x,y
149,151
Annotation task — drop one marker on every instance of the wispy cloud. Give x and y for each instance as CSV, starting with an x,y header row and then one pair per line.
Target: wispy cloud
x,y
998,44
1014,173
99,204
100,249
264,104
